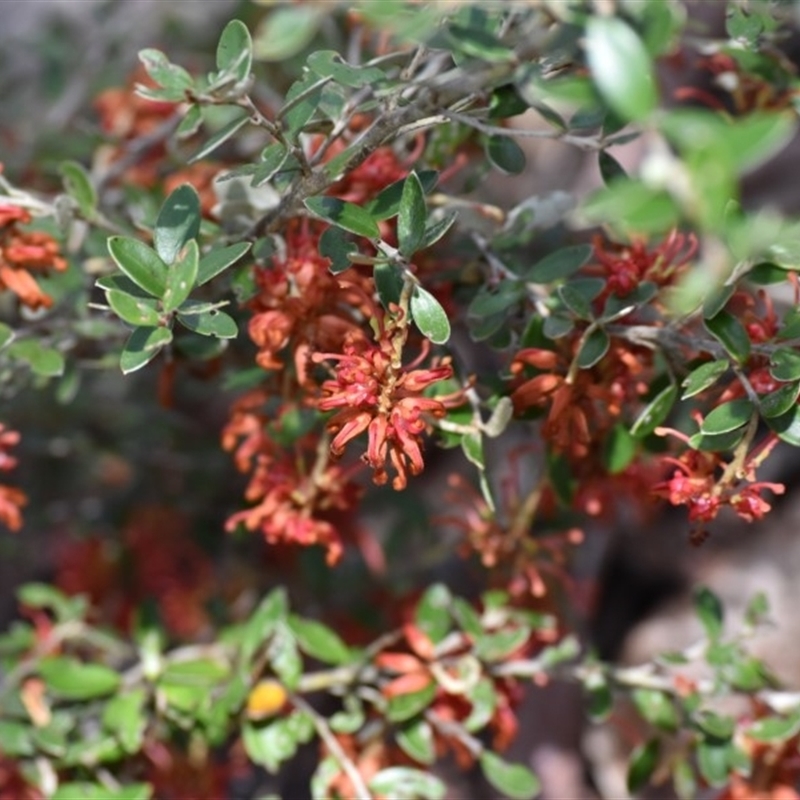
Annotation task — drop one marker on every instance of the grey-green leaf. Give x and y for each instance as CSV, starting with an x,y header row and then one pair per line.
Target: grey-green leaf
x,y
178,222
216,261
212,323
181,276
621,67
429,316
505,154
140,263
133,310
411,216
345,215
514,780
143,346
235,50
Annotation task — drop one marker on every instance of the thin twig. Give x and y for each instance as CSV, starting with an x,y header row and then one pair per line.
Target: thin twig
x,y
332,743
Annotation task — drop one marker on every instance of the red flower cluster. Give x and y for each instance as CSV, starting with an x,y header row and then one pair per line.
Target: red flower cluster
x,y
297,491
11,500
23,252
162,562
372,391
626,266
705,483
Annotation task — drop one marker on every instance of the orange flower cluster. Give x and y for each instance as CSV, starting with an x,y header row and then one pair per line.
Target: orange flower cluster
x,y
583,404
11,500
301,306
23,252
297,491
372,391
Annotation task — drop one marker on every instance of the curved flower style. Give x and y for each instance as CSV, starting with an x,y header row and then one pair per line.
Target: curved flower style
x,y
23,252
373,392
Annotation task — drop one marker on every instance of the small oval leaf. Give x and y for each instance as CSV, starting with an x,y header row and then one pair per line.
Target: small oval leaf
x,y
429,316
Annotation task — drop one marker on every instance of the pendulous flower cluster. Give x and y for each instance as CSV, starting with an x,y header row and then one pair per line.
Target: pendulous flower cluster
x,y
372,391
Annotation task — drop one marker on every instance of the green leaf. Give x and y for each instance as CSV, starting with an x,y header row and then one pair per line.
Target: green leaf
x,y
785,364
143,346
286,32
727,417
560,264
657,708
79,187
386,203
490,301
713,762
731,334
403,707
212,323
655,412
415,740
718,443
499,645
205,672
235,50
780,401
98,791
710,612
594,347
269,745
483,697
472,445
706,375
610,168
438,229
621,68
600,701
617,306
620,449
774,729
319,641
178,222
429,316
766,273
284,656
575,301
479,43
787,426
632,205
514,780
140,263
216,261
336,245
272,160
405,783
432,615
190,124
15,739
328,63
263,621
71,679
6,335
345,215
173,80
642,765
303,101
219,138
121,283
505,154
411,216
133,310
124,717
181,277
44,361
557,326
388,282
43,595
